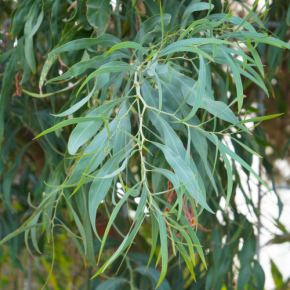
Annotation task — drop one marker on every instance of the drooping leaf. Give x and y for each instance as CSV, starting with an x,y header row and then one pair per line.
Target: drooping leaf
x,y
98,12
184,174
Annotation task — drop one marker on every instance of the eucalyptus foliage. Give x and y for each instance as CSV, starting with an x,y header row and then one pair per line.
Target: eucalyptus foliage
x,y
150,110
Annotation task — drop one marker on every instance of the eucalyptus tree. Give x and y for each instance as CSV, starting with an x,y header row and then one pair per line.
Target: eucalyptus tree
x,y
154,93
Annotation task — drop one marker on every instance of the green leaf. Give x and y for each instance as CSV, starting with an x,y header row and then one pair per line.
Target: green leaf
x,y
52,93
101,81
192,8
142,202
220,110
256,119
200,144
158,180
113,284
6,54
173,95
100,187
237,77
127,44
55,180
105,40
285,148
151,54
200,90
106,123
154,225
185,255
137,140
187,239
151,25
6,88
79,225
95,63
121,140
69,122
153,275
114,215
84,131
245,19
237,158
191,232
185,175
52,58
246,147
152,72
244,275
114,66
37,25
126,242
81,201
194,50
98,12
29,50
288,16
209,26
230,176
277,276
8,178
257,60
262,38
259,275
163,240
162,24
33,232
195,23
76,242
20,17
193,41
19,231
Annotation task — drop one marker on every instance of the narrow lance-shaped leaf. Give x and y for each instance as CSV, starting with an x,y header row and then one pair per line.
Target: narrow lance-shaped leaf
x,y
69,122
8,179
154,237
115,66
50,94
29,49
194,7
6,86
238,80
256,119
101,81
125,243
127,44
191,232
237,158
200,90
246,147
163,239
184,174
95,62
114,215
106,40
137,140
100,187
230,176
189,28
19,231
51,59
79,225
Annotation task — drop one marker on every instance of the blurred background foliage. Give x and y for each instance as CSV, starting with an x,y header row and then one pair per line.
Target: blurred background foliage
x,y
26,37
